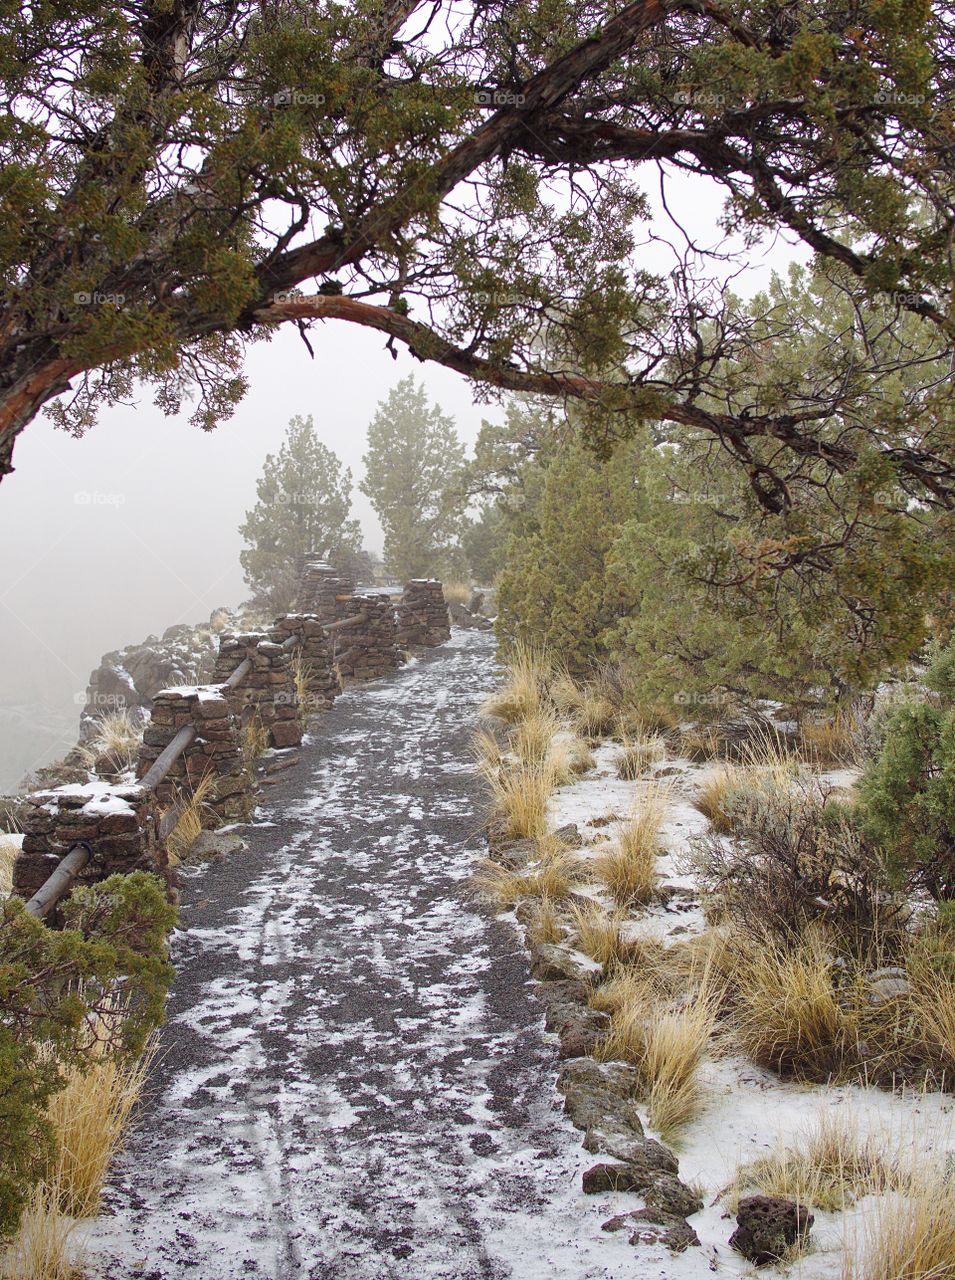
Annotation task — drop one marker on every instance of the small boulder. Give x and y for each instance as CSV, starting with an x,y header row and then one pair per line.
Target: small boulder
x,y
667,1194
550,963
767,1226
651,1226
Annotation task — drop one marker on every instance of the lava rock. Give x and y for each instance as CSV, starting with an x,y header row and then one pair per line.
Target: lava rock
x,y
550,963
767,1226
651,1226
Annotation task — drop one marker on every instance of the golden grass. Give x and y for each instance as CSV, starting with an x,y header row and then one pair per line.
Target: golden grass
x,y
532,736
302,673
9,849
932,1006
117,738
595,715
90,1115
550,878
487,752
522,693
908,1234
701,742
832,741
565,693
519,798
457,593
545,925
830,1166
43,1246
599,933
717,797
255,740
786,1012
667,1046
628,867
194,815
569,759
637,755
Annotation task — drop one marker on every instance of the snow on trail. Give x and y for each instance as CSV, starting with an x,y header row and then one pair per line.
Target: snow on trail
x,y
354,1081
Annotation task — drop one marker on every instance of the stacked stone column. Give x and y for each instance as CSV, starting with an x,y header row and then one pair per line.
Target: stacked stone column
x,y
216,750
268,690
321,589
423,617
315,651
368,651
119,822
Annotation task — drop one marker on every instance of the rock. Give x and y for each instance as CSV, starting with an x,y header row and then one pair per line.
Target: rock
x,y
580,1031
667,1194
610,1077
566,991
551,963
568,835
213,844
767,1226
888,983
610,1177
599,1103
514,854
650,1226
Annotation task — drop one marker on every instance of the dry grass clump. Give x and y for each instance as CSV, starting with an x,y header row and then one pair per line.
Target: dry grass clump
x,y
90,1114
836,740
931,1008
551,877
9,848
519,797
667,1046
546,924
718,797
302,673
43,1246
628,867
565,693
522,693
599,935
569,759
194,816
908,1234
255,740
830,1167
115,742
487,752
637,755
456,593
532,736
786,1011
595,715
701,742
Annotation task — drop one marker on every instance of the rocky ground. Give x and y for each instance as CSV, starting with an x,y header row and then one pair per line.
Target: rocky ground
x,y
354,1080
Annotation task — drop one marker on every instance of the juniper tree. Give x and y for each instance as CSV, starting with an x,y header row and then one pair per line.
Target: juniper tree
x,y
304,497
177,179
412,467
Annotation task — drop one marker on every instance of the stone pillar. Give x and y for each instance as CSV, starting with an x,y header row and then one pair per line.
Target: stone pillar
x,y
321,588
365,652
118,821
268,690
216,750
423,617
315,650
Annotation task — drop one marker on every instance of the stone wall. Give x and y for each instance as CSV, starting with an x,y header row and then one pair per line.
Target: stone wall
x,y
369,651
321,588
217,750
119,822
268,691
422,614
315,647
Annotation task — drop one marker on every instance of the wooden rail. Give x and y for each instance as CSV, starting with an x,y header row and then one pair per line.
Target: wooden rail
x,y
56,885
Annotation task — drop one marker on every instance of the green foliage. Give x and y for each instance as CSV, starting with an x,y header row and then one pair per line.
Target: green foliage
x,y
413,476
52,982
304,497
908,792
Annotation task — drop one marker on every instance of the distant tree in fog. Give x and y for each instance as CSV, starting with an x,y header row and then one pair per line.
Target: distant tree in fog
x,y
304,500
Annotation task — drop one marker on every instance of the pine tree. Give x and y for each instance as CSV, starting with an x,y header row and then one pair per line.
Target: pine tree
x,y
412,471
304,497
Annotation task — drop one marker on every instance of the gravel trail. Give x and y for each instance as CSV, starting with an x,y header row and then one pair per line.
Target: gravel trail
x,y
354,1081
